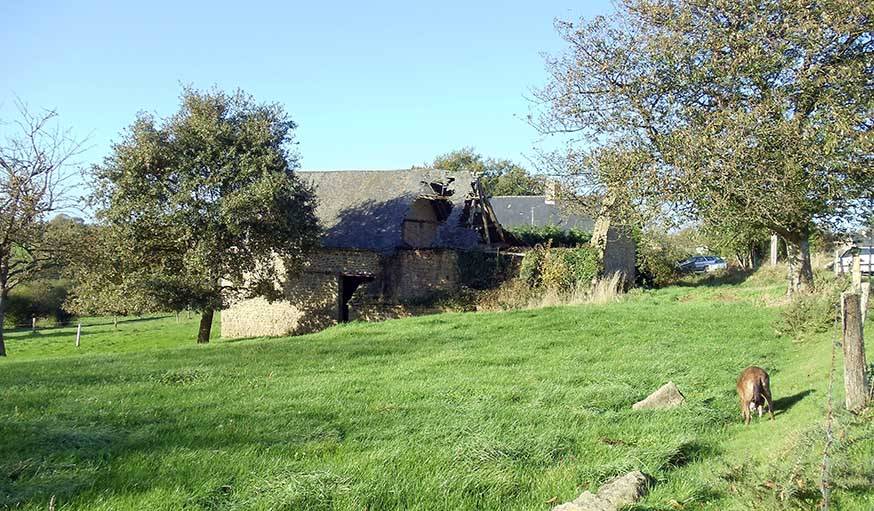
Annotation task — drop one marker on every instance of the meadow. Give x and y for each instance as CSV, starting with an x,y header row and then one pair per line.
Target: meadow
x,y
505,410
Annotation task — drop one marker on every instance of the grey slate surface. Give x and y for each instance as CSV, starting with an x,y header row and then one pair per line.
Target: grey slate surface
x,y
365,209
517,211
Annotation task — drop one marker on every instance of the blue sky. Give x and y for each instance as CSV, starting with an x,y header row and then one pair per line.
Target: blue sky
x,y
372,85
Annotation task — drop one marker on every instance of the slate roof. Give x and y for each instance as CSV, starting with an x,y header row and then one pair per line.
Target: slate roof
x,y
365,209
517,211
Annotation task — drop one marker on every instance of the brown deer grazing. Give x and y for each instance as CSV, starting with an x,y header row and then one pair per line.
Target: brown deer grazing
x,y
753,389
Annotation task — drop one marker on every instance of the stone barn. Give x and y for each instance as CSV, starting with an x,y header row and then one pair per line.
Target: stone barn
x,y
390,245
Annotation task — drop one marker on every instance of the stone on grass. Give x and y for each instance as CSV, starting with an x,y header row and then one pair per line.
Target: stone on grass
x,y
667,396
614,494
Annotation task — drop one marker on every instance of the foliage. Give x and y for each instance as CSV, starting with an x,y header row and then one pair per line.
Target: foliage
x,y
34,168
561,269
112,278
657,256
497,176
530,268
485,270
207,200
747,114
489,411
816,311
40,299
742,242
530,236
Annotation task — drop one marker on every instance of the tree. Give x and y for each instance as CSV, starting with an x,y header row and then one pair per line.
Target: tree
x,y
110,277
757,115
35,164
207,201
497,176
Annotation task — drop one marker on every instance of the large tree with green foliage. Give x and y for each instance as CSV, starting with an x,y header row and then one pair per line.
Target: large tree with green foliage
x,y
497,176
746,114
207,200
35,163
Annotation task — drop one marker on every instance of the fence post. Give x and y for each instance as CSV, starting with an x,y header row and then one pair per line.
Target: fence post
x,y
863,302
773,250
857,271
78,333
853,344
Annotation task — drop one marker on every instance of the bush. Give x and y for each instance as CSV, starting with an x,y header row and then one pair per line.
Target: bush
x,y
43,299
559,268
531,236
657,257
816,311
486,270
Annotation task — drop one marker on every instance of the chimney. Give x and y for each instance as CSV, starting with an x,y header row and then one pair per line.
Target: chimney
x,y
551,188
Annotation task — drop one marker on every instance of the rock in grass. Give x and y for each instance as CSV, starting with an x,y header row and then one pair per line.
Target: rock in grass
x,y
614,494
667,396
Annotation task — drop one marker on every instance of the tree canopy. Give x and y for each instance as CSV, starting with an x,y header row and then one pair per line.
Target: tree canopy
x,y
35,165
207,200
497,176
746,115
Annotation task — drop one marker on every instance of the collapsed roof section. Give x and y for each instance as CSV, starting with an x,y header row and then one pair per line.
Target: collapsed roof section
x,y
384,211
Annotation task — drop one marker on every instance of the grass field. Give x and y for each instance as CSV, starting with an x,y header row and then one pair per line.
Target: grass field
x,y
514,410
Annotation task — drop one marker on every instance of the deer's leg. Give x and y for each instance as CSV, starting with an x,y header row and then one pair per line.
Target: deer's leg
x,y
767,393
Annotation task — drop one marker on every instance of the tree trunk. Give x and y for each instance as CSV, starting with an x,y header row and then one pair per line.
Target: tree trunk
x,y
2,320
855,380
205,326
800,269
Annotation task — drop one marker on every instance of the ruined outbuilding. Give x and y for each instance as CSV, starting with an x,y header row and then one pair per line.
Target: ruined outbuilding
x,y
390,244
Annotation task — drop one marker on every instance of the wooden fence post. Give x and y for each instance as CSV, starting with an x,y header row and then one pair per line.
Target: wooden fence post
x,y
855,381
863,302
78,333
857,271
773,250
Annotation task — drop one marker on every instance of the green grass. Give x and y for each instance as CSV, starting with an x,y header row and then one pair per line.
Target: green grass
x,y
105,336
495,411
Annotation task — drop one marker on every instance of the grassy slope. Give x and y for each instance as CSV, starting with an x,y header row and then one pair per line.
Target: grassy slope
x,y
456,411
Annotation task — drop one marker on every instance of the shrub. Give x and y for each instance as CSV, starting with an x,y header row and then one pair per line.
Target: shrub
x,y
43,299
559,268
531,236
657,257
486,270
815,311
530,269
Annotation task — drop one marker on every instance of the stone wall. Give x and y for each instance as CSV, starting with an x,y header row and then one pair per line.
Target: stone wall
x,y
620,253
416,275
311,297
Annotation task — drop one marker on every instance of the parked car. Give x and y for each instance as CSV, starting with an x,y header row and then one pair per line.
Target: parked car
x,y
699,264
866,260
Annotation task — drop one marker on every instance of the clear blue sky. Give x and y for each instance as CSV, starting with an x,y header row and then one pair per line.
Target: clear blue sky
x,y
372,85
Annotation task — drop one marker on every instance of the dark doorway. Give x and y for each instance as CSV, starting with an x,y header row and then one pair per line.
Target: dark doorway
x,y
348,284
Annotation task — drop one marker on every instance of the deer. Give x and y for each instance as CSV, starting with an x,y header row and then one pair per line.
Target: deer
x,y
753,389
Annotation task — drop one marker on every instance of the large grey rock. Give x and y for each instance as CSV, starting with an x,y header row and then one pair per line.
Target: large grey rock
x,y
614,494
667,396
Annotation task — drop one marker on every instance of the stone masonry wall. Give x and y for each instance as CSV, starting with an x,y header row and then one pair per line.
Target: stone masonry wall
x,y
620,253
413,275
311,297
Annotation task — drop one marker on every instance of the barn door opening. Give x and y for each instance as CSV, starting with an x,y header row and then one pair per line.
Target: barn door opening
x,y
348,284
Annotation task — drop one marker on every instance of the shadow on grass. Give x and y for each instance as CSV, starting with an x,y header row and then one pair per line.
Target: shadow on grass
x,y
68,330
729,278
783,404
66,459
690,452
